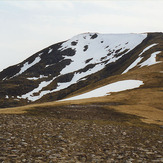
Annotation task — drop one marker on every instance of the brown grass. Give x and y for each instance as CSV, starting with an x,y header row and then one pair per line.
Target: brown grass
x,y
146,101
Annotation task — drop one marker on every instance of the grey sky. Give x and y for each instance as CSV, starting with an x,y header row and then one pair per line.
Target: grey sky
x,y
29,26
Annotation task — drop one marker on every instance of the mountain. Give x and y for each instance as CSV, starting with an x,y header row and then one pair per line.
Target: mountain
x,y
81,64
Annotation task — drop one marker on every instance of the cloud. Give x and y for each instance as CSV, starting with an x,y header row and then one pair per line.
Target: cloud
x,y
39,5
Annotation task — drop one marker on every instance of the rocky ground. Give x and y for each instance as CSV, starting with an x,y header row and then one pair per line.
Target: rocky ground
x,y
85,134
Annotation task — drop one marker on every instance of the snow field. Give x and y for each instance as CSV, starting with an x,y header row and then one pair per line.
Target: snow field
x,y
98,49
148,62
107,89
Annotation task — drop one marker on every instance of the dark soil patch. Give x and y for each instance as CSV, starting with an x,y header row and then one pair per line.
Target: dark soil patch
x,y
83,112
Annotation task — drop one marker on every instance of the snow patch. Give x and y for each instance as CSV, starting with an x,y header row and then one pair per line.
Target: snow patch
x,y
30,95
33,78
36,78
152,60
4,79
78,76
107,89
50,65
135,63
147,48
27,65
97,50
50,50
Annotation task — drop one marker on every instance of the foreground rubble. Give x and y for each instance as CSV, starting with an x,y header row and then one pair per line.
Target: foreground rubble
x,y
29,138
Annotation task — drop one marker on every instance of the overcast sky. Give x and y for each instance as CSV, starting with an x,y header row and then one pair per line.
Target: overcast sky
x,y
29,26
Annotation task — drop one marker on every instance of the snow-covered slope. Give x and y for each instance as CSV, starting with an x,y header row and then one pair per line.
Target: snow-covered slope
x,y
148,62
107,89
62,68
98,49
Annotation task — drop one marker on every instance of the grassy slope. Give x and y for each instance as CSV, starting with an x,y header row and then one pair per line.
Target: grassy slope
x,y
145,101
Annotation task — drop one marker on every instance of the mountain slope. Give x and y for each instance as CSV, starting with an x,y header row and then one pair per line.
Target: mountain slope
x,y
64,68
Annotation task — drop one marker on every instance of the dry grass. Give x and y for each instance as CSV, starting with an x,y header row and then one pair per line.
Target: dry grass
x,y
145,101
148,114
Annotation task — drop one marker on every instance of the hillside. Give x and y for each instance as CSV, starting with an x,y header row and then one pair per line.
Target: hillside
x,y
93,98
78,64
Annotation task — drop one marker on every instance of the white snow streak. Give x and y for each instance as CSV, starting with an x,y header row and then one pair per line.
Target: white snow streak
x,y
50,50
4,78
77,77
147,48
135,63
27,65
30,95
152,60
36,78
107,89
49,65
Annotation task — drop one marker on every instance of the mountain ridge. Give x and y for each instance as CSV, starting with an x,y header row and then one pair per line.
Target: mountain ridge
x,y
65,67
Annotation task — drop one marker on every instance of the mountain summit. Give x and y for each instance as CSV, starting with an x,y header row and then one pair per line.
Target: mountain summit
x,y
67,67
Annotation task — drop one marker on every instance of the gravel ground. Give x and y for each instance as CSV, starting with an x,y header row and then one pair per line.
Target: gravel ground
x,y
27,138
